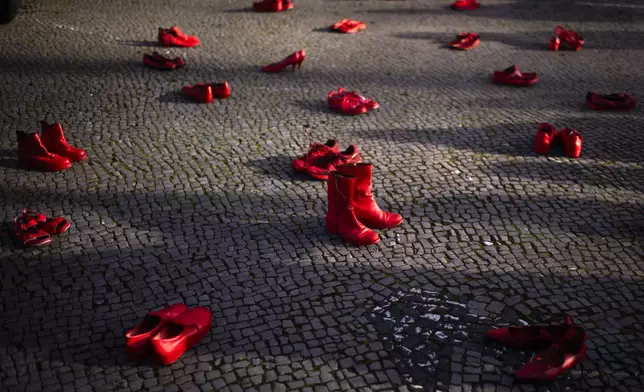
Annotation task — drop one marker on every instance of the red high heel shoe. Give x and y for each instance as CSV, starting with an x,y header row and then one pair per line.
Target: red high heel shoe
x,y
610,101
294,60
320,166
51,226
33,155
569,37
466,5
138,338
316,150
512,76
175,37
530,336
364,204
556,359
340,216
466,41
543,139
200,92
54,141
28,234
220,90
181,333
572,142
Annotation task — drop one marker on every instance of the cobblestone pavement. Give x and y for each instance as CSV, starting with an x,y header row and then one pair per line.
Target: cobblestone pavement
x,y
191,203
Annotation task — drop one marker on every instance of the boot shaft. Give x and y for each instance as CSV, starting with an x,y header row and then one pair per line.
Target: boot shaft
x,y
30,145
53,136
363,174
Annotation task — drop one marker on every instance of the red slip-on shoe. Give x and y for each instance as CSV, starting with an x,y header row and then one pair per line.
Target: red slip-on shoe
x,y
572,142
269,6
368,103
568,37
466,41
617,101
320,167
33,155
530,336
53,139
512,76
154,63
466,5
550,363
315,150
178,61
348,26
174,37
52,226
294,60
543,139
138,338
181,333
220,90
199,92
28,233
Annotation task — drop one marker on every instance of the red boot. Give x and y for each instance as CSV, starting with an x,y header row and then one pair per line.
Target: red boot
x,y
200,92
181,334
544,137
340,216
33,155
294,60
138,338
572,141
365,206
54,140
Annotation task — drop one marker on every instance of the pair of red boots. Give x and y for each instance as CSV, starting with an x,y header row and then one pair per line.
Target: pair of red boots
x,y
204,92
350,102
466,41
273,5
35,229
294,60
547,134
562,346
168,333
569,38
48,152
157,61
348,26
512,76
466,5
321,159
175,37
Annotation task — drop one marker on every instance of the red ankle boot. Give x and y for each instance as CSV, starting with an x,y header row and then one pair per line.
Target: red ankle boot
x,y
572,141
32,154
543,139
364,204
54,140
340,216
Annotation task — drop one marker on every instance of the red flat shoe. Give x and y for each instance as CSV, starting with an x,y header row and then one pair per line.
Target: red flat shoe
x,y
569,37
220,90
346,104
320,166
33,155
617,101
466,5
348,26
466,41
294,60
537,335
28,233
199,92
544,138
181,333
512,76
178,61
164,65
556,359
572,141
269,6
138,338
368,103
54,141
51,226
316,150
175,37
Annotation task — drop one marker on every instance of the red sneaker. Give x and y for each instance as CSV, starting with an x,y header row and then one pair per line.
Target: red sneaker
x,y
269,6
569,37
320,167
33,155
572,141
543,139
199,92
610,101
53,139
466,41
220,90
348,26
181,333
529,336
51,226
175,37
138,338
466,5
294,60
316,150
28,233
512,76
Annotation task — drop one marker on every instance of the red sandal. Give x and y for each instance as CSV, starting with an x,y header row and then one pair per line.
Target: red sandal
x,y
466,41
52,226
29,234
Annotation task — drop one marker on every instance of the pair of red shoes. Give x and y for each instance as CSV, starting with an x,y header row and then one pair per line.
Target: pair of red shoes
x,y
48,152
294,60
157,61
352,210
350,102
35,229
175,37
568,137
617,101
169,332
204,92
566,346
466,41
348,26
466,5
321,159
273,5
568,37
512,76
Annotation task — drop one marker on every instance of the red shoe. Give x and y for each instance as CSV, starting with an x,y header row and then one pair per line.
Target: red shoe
x,y
138,338
33,155
512,76
28,233
610,101
466,5
572,141
152,62
220,90
287,5
556,359
320,166
175,37
269,6
530,336
51,226
200,92
348,26
466,41
544,138
364,204
569,37
178,61
368,103
554,43
316,150
54,141
340,216
294,60
181,333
